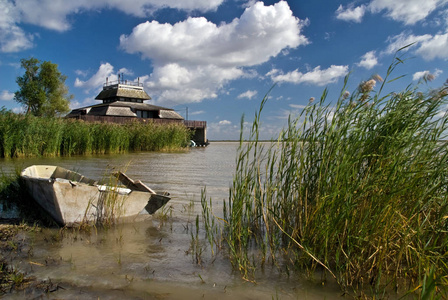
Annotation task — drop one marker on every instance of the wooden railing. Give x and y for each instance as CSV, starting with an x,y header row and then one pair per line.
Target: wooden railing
x,y
195,124
123,120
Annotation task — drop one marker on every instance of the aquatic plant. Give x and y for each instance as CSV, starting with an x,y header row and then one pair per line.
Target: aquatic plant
x,y
357,190
27,136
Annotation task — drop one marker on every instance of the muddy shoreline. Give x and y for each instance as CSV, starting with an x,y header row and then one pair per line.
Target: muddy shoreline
x,y
15,244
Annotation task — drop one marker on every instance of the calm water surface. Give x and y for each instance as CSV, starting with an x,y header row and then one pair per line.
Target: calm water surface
x,y
152,259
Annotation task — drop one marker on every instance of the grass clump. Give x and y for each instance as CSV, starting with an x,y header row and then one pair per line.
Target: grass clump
x,y
357,190
28,136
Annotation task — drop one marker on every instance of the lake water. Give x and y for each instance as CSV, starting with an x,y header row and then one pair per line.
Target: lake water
x,y
153,259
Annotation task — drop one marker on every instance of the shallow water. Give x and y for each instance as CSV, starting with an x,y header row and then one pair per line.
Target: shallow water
x,y
152,258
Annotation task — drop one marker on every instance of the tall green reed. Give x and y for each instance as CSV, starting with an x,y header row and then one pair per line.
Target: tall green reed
x,y
26,136
358,190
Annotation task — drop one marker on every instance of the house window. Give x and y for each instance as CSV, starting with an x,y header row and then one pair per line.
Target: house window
x,y
143,114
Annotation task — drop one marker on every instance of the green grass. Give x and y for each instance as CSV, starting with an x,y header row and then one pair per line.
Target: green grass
x,y
28,136
356,190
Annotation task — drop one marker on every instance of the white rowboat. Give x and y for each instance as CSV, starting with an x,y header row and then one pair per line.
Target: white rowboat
x,y
71,198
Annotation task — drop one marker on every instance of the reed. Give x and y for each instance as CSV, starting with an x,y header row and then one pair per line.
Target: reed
x,y
357,190
27,136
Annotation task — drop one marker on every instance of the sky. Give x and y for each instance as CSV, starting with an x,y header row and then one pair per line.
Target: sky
x,y
215,60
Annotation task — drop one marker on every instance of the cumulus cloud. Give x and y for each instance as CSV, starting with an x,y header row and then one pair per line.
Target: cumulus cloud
x,y
351,13
224,122
175,83
82,103
193,59
54,15
98,79
405,39
427,46
106,70
434,47
12,37
248,94
6,95
368,60
316,76
81,73
407,11
426,74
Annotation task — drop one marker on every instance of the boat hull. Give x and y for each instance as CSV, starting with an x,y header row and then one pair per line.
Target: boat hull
x,y
71,198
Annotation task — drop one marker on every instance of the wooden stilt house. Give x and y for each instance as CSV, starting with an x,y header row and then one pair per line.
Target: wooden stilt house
x,y
124,101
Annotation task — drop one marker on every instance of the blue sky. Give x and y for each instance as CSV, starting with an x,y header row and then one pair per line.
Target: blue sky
x,y
218,58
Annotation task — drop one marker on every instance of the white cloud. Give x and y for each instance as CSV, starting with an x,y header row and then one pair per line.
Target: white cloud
x,y
316,76
297,106
18,110
368,60
81,73
125,71
106,70
12,37
405,39
435,47
177,84
407,11
193,59
248,94
351,13
427,46
54,15
224,122
223,130
422,74
198,112
86,102
6,95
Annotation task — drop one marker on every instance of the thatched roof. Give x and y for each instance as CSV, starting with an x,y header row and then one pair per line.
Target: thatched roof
x,y
123,91
169,114
125,109
112,111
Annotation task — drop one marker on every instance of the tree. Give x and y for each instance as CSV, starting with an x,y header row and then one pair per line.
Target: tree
x,y
42,89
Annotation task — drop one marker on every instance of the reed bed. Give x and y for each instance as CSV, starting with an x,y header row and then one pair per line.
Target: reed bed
x,y
26,136
356,191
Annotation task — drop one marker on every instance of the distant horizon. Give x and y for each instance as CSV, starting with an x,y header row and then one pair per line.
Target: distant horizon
x,y
218,59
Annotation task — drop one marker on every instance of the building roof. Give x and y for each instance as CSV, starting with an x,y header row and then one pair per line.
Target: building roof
x,y
112,111
123,91
125,109
122,99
